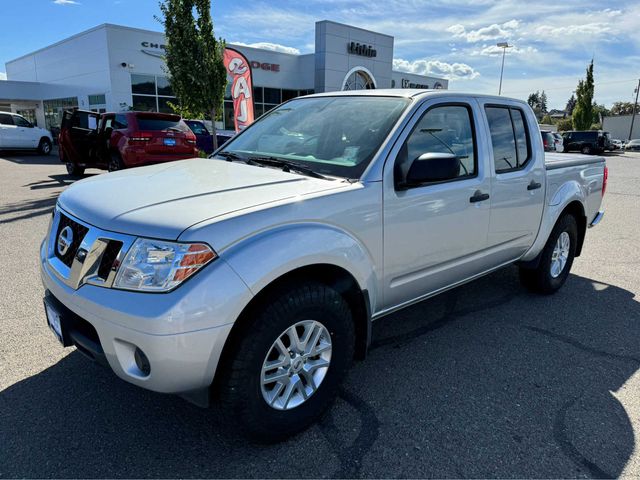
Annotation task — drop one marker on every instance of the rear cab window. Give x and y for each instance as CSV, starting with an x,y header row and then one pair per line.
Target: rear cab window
x,y
509,138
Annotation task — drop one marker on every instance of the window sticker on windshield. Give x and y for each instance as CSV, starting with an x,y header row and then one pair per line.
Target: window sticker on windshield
x,y
92,122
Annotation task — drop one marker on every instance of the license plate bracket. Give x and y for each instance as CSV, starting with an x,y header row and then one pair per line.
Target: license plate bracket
x,y
54,321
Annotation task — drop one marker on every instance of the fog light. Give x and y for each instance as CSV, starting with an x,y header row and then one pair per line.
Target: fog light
x,y
142,362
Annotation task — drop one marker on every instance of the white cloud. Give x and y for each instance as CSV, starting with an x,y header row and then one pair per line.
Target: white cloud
x,y
490,32
66,2
437,68
275,47
589,29
3,76
492,50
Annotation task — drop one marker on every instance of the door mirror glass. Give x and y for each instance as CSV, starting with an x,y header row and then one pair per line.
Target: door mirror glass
x,y
433,167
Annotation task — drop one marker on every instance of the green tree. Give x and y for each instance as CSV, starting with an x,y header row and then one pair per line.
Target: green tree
x,y
194,58
538,102
547,120
571,104
565,125
598,112
583,112
623,108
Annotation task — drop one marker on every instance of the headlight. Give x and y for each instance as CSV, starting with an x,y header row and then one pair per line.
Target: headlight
x,y
157,266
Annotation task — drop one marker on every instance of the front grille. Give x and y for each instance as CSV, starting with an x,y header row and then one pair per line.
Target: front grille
x,y
108,258
79,231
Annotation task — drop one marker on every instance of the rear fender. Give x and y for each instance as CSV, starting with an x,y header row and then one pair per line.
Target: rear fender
x,y
568,193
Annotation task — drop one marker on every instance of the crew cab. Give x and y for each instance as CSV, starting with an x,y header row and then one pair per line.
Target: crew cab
x,y
252,278
114,141
18,133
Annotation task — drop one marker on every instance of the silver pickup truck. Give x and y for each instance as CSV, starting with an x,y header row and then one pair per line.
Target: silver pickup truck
x,y
253,277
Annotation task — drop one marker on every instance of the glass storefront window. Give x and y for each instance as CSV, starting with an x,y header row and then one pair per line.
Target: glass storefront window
x,y
53,110
257,94
272,95
289,94
163,105
145,84
164,87
143,103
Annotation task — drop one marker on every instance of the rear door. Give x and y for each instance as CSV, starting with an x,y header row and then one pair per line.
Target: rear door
x,y
518,183
79,133
8,131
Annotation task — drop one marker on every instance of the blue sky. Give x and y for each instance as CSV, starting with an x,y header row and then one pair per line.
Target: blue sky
x,y
553,41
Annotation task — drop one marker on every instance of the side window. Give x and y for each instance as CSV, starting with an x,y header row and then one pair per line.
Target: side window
x,y
120,122
511,147
5,119
20,122
442,129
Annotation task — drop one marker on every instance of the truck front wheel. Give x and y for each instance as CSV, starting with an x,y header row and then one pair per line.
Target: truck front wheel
x,y
74,170
289,361
555,260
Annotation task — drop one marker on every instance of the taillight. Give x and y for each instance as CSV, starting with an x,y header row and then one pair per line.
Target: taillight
x,y
605,178
140,137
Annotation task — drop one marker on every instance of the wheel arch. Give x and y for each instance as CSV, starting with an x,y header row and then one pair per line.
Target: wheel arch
x,y
328,274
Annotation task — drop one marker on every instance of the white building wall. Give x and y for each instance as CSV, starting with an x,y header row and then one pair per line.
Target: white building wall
x,y
618,126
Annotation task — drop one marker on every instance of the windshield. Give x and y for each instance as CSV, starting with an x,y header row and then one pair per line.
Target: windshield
x,y
335,136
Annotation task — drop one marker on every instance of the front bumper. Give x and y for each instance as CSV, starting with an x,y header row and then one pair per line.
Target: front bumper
x,y
182,333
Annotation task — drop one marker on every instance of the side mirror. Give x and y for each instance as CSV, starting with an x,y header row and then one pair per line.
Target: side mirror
x,y
433,167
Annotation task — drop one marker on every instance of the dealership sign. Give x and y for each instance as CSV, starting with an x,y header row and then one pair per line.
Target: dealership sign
x,y
362,50
239,74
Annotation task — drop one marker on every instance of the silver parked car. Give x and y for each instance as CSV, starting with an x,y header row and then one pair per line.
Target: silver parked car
x,y
253,277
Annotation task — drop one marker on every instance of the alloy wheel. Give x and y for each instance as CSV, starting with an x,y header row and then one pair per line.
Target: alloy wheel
x,y
560,254
296,365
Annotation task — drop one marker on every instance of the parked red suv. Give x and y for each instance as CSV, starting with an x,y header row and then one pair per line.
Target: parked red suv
x,y
120,140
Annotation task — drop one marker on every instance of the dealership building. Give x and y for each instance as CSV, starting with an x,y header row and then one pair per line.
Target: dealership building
x,y
117,68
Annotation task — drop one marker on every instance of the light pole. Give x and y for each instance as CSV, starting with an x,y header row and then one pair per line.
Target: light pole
x,y
503,46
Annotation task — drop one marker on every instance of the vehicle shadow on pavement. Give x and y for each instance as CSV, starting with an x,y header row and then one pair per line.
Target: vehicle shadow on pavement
x,y
13,212
486,380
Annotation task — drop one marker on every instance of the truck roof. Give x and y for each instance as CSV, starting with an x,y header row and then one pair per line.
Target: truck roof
x,y
413,93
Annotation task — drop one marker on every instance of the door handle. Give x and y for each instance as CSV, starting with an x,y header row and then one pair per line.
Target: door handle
x,y
478,196
534,185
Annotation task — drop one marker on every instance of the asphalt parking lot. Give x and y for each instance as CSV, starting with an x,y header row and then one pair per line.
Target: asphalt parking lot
x,y
486,380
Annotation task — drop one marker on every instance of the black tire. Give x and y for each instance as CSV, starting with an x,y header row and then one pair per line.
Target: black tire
x,y
240,390
74,170
115,163
44,148
540,279
586,150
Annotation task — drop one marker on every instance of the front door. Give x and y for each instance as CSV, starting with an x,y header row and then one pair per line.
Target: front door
x,y
518,185
434,234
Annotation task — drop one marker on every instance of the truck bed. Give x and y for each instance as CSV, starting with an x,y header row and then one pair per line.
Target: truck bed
x,y
553,161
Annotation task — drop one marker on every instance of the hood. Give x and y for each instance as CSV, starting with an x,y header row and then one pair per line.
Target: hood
x,y
161,201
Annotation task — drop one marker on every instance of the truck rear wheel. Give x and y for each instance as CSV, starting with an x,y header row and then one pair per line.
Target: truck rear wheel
x,y
289,362
555,260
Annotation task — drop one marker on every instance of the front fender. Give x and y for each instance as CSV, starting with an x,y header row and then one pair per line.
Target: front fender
x,y
265,257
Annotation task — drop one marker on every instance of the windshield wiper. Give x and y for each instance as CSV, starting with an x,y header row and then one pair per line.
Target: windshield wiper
x,y
232,156
287,166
